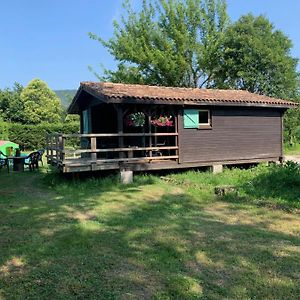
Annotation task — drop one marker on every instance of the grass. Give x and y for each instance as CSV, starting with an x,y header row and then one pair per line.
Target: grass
x,y
292,150
96,239
274,186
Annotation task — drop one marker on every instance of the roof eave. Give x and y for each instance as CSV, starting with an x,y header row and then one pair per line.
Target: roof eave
x,y
75,110
197,102
71,108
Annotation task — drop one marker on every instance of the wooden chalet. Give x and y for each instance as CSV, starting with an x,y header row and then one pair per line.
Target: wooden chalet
x,y
138,127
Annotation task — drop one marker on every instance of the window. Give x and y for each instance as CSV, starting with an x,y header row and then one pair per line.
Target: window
x,y
204,117
197,118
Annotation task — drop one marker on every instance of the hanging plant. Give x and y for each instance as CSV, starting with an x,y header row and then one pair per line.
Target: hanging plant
x,y
162,121
135,119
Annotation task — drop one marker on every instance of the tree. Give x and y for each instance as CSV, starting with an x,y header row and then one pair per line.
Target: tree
x,y
168,42
257,58
40,103
292,125
11,107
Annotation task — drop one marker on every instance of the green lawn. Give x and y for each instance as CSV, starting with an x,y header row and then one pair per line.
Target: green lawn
x,y
292,150
96,239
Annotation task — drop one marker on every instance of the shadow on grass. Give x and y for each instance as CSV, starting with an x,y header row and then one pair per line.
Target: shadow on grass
x,y
99,240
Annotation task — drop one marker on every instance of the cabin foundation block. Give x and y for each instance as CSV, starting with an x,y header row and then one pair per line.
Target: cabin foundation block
x,y
217,169
126,177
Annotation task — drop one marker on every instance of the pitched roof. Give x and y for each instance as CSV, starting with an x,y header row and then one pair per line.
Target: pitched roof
x,y
134,93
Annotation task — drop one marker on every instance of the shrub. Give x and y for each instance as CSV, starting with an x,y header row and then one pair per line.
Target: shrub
x,y
34,136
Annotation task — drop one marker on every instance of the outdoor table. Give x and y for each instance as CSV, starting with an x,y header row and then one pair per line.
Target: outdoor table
x,y
18,162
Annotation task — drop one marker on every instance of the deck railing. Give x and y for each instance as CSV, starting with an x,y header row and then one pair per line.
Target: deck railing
x,y
96,148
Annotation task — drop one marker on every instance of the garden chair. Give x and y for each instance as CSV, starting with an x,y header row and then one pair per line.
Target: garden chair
x,y
4,161
32,160
41,153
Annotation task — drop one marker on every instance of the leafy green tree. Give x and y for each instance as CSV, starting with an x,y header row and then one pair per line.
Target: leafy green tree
x,y
257,58
11,107
168,42
292,126
190,43
40,103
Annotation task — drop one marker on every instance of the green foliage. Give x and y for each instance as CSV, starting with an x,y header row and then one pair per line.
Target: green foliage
x,y
40,103
36,103
34,136
4,134
136,119
11,107
190,43
171,43
72,119
292,126
292,150
257,58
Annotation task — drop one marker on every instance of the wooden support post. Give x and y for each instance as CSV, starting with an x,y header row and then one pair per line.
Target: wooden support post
x,y
217,169
179,121
150,137
51,147
281,158
93,148
126,176
61,148
176,137
57,147
120,129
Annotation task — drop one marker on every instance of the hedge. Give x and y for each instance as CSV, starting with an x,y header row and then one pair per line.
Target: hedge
x,y
32,137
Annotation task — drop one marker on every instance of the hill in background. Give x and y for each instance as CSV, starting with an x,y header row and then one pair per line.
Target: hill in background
x,y
65,96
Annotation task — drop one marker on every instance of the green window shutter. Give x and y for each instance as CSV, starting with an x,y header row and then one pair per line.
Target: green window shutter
x,y
190,118
85,121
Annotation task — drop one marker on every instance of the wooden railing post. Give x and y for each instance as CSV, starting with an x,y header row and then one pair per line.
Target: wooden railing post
x,y
93,148
176,137
120,129
150,137
57,147
61,142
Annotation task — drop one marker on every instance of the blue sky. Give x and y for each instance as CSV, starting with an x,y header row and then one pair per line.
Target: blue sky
x,y
48,39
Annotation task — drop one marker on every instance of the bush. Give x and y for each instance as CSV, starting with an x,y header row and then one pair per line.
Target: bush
x,y
34,136
4,128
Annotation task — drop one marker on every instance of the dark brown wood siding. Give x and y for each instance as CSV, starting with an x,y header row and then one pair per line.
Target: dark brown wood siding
x,y
236,134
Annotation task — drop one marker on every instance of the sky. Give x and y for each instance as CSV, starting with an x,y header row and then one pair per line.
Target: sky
x,y
48,39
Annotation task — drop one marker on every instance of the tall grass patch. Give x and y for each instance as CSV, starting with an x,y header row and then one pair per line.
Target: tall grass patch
x,y
273,185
